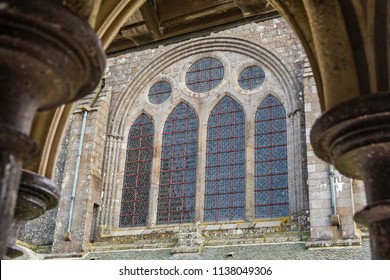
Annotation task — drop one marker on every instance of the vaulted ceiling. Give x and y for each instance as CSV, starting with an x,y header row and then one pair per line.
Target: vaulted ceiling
x,y
159,21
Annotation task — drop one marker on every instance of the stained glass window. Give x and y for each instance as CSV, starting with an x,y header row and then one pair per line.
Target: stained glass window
x,y
271,177
136,185
225,163
176,199
204,75
251,77
160,92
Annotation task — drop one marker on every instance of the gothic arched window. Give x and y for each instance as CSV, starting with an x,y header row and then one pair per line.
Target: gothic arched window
x,y
271,173
225,163
136,185
176,198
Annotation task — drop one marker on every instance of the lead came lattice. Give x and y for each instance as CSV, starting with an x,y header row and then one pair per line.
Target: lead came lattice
x,y
176,199
251,77
204,75
271,171
225,163
136,185
160,92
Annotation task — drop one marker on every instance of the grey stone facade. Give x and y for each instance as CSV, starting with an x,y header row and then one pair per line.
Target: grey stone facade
x,y
110,112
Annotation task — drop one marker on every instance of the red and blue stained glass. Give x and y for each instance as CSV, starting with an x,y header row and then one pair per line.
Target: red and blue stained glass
x,y
204,75
251,77
225,163
136,185
271,171
176,199
160,92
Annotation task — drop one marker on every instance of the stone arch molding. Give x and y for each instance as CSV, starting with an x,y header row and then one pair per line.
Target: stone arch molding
x,y
258,53
288,94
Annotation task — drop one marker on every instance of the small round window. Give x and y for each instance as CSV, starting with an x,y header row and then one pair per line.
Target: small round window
x,y
204,75
159,92
251,77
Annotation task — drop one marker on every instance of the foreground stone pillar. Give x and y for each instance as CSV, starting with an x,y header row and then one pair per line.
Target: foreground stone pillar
x,y
356,137
36,195
347,43
48,56
10,169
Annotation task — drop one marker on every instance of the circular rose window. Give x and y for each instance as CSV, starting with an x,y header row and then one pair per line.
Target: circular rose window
x,y
251,77
204,75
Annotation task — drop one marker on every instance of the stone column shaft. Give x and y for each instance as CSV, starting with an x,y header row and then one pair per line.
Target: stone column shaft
x,y
9,178
48,56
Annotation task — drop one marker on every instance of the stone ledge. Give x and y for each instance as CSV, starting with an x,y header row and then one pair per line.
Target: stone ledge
x,y
245,225
325,244
229,226
213,227
131,246
128,232
266,224
64,256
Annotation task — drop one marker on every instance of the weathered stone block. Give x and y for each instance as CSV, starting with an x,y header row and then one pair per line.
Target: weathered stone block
x,y
268,224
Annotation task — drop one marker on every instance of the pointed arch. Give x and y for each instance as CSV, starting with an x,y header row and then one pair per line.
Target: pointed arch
x,y
235,45
176,197
225,163
136,182
271,171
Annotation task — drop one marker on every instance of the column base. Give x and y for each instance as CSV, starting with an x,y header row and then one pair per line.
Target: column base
x,y
15,147
37,194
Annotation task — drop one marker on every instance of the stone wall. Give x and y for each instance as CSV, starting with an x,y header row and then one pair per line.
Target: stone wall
x,y
94,108
331,223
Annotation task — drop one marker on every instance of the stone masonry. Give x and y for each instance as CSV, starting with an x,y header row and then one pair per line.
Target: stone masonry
x,y
323,232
